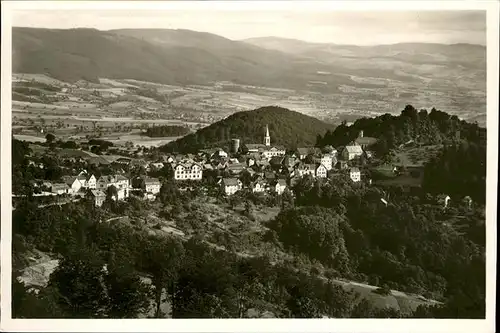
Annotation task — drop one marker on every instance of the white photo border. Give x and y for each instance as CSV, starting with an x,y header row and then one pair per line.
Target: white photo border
x,y
252,325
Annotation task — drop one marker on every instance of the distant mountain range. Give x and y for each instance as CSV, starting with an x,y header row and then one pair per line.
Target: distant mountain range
x,y
189,57
330,79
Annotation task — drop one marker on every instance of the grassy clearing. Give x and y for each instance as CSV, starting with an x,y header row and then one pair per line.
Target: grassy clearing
x,y
417,156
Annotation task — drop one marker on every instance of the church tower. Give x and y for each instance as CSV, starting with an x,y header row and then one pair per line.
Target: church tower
x,y
267,138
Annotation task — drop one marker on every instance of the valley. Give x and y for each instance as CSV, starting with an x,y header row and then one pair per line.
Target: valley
x,y
200,78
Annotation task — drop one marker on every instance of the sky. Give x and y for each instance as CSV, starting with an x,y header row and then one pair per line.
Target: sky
x,y
358,28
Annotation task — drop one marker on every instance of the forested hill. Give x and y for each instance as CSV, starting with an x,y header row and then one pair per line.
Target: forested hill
x,y
458,170
435,127
288,128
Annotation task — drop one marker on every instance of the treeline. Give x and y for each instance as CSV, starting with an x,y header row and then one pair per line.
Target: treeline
x,y
149,92
459,171
288,128
166,130
411,244
435,127
38,85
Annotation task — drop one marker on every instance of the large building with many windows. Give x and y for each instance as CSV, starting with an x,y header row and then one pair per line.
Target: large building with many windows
x,y
187,171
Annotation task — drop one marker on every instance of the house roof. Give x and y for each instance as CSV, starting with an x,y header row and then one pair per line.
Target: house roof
x,y
138,162
354,148
366,141
274,148
151,181
260,182
254,145
107,178
97,193
303,151
269,175
230,181
56,186
281,182
120,177
276,160
69,179
354,169
320,165
236,166
304,166
165,158
308,150
98,160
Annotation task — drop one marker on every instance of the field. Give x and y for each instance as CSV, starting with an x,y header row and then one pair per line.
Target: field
x,y
119,107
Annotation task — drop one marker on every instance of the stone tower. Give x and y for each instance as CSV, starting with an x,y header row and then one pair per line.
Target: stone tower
x,y
267,138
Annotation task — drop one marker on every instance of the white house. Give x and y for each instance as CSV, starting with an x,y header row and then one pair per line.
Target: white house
x,y
327,161
155,165
355,174
303,169
321,171
73,184
91,182
303,152
83,180
152,185
218,153
120,182
352,151
280,186
259,186
60,188
98,196
187,171
231,185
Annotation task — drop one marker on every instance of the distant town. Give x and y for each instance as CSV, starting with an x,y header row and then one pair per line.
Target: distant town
x,y
269,168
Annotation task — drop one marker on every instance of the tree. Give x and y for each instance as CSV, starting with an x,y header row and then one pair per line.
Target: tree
x,y
79,280
206,285
50,138
287,199
163,258
28,304
249,209
128,295
112,193
246,178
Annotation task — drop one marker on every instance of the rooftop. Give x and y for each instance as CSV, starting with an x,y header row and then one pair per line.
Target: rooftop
x,y
230,181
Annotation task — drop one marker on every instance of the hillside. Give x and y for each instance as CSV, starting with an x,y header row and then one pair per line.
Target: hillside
x,y
286,127
468,55
162,56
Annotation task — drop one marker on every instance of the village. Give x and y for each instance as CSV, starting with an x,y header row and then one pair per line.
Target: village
x,y
256,167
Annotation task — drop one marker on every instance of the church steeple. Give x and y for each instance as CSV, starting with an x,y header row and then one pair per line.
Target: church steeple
x,y
267,138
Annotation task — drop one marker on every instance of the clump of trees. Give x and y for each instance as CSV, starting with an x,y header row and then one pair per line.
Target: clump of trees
x,y
435,127
459,170
166,130
411,244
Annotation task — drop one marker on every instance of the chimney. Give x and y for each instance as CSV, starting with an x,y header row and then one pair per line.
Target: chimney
x,y
361,133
